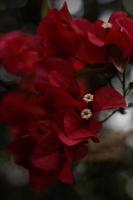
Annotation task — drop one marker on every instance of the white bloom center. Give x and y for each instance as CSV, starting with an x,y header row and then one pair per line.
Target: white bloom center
x,y
88,97
106,25
86,113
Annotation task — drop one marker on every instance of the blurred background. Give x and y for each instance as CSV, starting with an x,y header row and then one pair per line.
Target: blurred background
x,y
107,172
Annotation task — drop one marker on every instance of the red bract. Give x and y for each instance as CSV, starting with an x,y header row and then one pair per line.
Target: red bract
x,y
36,125
70,37
19,108
48,117
47,159
78,129
80,40
120,34
117,37
50,132
63,39
59,71
105,42
19,53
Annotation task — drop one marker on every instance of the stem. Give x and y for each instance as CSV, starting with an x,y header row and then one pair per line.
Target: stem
x,y
125,91
109,116
124,83
128,91
110,83
119,77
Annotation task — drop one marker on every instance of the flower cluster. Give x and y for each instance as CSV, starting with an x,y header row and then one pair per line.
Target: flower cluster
x,y
49,118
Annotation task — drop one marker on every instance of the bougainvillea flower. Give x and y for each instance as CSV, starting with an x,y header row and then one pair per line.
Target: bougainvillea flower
x,y
86,41
59,40
59,71
70,37
120,33
49,118
79,127
44,155
24,106
41,135
91,43
51,127
117,37
18,53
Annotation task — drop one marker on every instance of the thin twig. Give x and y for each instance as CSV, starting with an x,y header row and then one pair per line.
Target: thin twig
x,y
110,83
118,76
124,83
109,116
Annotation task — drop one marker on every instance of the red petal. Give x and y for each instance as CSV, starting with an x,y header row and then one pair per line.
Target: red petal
x,y
77,130
117,15
66,174
49,162
107,98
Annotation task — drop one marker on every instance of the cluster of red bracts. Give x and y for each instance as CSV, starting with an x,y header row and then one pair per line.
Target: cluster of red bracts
x,y
49,119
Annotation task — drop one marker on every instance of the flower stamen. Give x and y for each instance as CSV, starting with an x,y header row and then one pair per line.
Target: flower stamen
x,y
106,25
88,97
86,114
